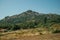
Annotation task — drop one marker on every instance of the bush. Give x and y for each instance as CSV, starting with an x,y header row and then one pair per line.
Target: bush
x,y
56,31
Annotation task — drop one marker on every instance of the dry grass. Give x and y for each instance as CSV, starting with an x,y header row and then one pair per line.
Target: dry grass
x,y
30,34
35,37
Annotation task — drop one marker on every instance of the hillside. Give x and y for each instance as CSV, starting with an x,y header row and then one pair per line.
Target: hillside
x,y
31,19
30,25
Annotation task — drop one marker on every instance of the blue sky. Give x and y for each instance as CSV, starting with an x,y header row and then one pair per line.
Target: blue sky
x,y
12,7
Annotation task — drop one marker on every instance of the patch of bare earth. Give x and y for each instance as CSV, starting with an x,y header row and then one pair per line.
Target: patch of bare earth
x,y
34,37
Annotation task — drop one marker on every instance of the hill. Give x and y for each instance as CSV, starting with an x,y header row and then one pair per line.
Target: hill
x,y
31,19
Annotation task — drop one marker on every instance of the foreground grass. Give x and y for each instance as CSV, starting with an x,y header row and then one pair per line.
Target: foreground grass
x,y
30,34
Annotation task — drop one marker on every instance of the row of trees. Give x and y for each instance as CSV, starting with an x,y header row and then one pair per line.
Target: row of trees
x,y
16,26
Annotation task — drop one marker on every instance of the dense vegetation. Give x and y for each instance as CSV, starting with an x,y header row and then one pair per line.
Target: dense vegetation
x,y
31,19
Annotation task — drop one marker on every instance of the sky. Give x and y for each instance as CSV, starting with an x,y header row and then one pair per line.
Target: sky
x,y
12,7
